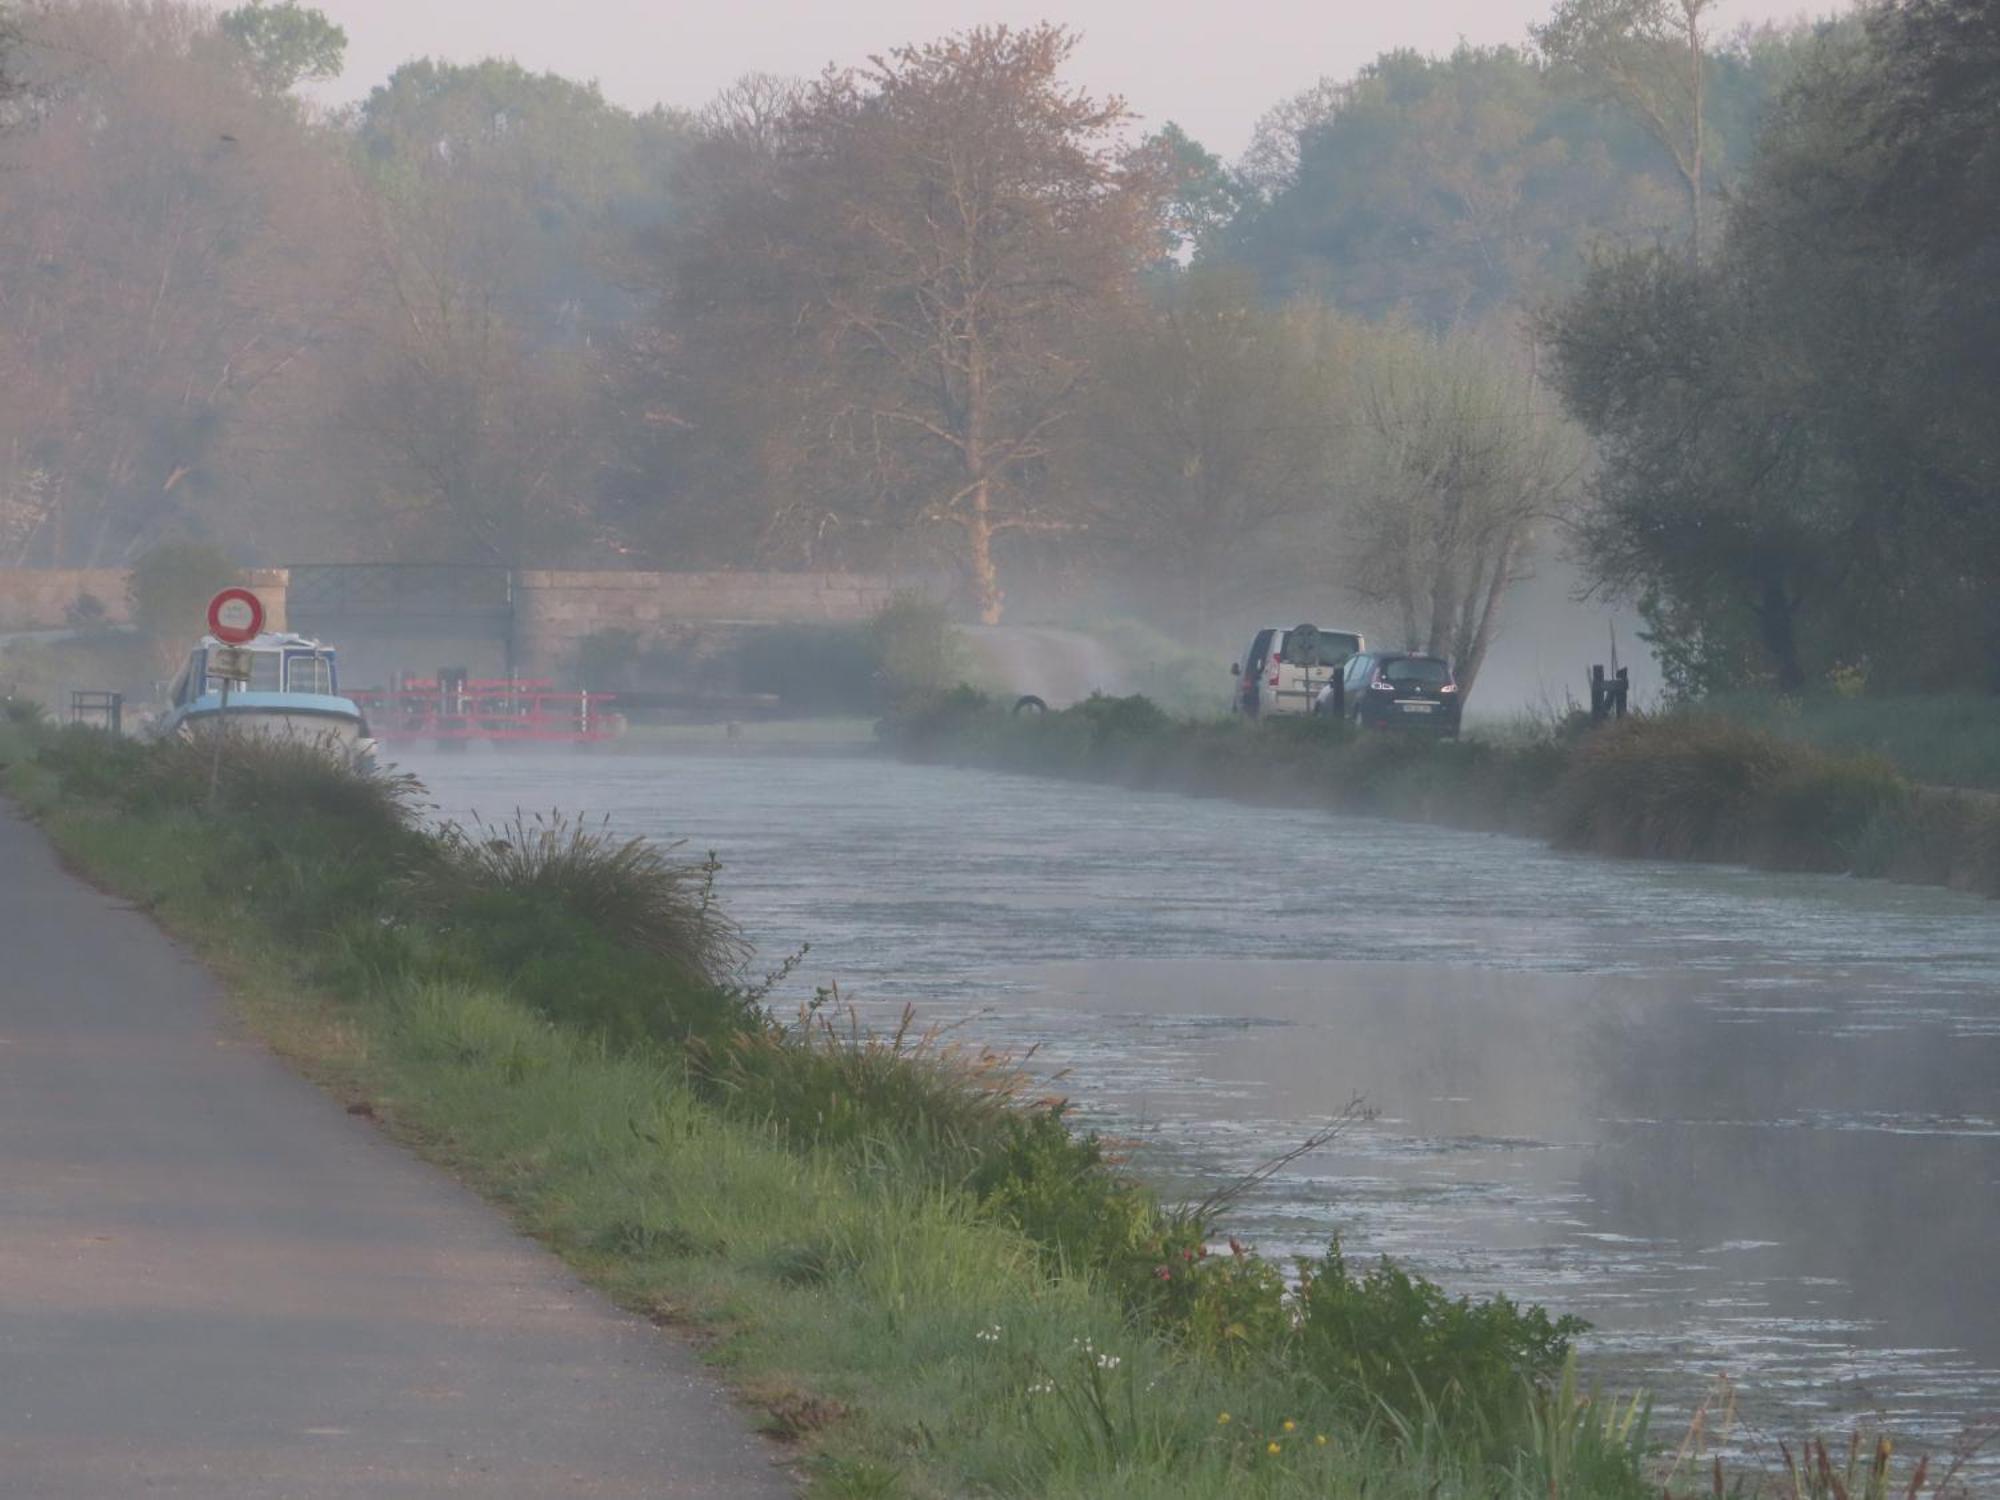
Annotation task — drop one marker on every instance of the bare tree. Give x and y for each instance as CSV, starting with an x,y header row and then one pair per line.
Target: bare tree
x,y
941,226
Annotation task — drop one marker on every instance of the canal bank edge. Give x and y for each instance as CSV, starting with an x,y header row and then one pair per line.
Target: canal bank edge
x,y
1683,786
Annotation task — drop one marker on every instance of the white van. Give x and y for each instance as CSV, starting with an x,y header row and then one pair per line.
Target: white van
x,y
1286,667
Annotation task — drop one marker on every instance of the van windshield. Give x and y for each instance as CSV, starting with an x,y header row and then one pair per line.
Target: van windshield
x,y
1417,671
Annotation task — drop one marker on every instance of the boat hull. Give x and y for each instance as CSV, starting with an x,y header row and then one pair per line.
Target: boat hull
x,y
333,724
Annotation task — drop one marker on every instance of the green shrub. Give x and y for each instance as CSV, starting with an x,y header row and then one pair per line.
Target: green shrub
x,y
916,649
1392,1338
170,587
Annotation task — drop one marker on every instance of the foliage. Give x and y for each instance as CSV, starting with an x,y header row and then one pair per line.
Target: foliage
x,y
1457,189
1401,1341
1208,423
1794,472
1651,56
286,42
170,586
176,247
916,648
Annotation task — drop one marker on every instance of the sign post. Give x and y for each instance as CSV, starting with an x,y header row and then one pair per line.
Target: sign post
x,y
235,616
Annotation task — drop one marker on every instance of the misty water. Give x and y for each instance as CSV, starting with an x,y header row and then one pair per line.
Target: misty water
x,y
1747,1124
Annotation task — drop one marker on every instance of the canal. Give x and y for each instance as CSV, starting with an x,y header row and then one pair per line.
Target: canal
x,y
1748,1125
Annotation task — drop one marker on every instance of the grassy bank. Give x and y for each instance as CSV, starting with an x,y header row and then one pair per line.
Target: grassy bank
x,y
1947,740
1682,786
915,1272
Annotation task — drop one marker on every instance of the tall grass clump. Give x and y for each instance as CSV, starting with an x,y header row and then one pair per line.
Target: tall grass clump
x,y
631,889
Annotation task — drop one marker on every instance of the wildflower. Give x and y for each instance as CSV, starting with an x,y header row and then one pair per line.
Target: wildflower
x,y
1164,1273
1290,1425
1274,1446
989,1334
1222,1420
1041,1388
1107,1361
1321,1440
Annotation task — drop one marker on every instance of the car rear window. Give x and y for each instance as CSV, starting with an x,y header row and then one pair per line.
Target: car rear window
x,y
1417,671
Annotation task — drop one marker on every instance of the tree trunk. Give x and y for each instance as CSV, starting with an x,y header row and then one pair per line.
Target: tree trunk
x,y
1776,616
1695,91
979,532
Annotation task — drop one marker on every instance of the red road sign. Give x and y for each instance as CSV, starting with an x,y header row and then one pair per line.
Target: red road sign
x,y
235,616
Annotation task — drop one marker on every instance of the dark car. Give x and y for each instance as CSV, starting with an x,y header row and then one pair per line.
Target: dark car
x,y
1401,690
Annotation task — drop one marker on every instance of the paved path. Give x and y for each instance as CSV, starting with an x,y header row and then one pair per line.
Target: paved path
x,y
215,1283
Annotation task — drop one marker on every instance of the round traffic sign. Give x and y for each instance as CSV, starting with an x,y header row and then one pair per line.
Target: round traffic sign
x,y
235,616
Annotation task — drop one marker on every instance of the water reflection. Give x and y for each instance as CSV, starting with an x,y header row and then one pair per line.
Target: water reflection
x,y
1745,1123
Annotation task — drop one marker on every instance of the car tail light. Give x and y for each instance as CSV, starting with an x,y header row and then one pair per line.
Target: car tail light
x,y
1277,661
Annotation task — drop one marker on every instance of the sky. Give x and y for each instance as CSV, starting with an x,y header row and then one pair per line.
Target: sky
x,y
1212,67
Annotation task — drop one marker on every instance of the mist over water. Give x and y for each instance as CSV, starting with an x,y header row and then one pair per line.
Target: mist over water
x,y
1747,1124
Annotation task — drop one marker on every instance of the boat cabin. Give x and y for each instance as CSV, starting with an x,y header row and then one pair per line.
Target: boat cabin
x,y
279,663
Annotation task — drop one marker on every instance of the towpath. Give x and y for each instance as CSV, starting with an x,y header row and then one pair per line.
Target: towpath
x,y
215,1283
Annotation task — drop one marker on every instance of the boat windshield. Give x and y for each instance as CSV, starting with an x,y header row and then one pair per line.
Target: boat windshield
x,y
309,674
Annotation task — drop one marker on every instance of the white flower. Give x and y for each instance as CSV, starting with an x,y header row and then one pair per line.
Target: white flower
x,y
1107,1361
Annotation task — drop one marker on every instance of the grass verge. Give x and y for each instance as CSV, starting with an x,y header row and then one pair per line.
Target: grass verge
x,y
1680,786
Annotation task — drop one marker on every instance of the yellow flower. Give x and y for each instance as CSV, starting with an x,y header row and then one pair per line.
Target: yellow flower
x,y
1274,1447
1321,1440
1290,1425
1223,1419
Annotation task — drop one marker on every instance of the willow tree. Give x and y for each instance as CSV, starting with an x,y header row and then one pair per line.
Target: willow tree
x,y
942,226
1464,469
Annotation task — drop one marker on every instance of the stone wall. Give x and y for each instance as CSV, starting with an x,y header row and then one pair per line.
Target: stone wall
x,y
556,611
50,598
45,598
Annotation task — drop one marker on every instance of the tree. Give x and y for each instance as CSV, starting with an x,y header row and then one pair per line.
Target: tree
x,y
286,42
169,588
1798,460
176,255
502,198
1442,189
1203,196
1463,471
1652,57
938,231
1207,425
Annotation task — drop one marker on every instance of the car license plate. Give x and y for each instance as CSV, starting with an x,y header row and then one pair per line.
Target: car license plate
x,y
1417,708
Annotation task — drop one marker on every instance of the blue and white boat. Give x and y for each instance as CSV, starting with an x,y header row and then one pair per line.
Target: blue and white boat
x,y
293,693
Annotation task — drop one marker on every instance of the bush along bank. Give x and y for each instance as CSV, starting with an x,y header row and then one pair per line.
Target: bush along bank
x,y
1673,786
926,1280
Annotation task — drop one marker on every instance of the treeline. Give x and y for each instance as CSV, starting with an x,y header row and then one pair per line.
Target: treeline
x,y
953,314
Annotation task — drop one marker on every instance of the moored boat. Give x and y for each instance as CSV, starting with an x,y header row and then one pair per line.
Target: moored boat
x,y
293,693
